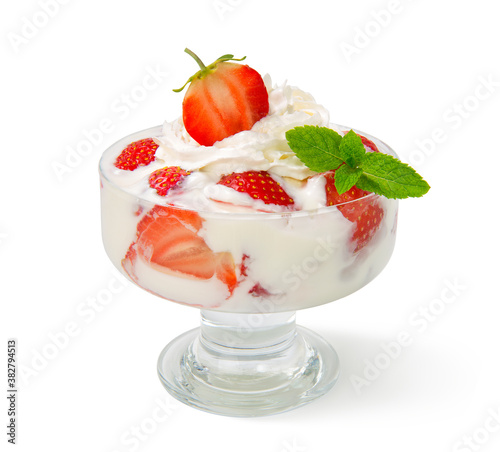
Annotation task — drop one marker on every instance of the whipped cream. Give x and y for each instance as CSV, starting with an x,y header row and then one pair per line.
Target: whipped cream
x,y
262,148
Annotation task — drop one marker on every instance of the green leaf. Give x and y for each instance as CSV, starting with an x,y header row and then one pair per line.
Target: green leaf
x,y
352,149
323,149
346,177
317,147
205,70
389,177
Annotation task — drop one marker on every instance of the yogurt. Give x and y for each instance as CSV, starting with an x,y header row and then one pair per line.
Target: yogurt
x,y
279,260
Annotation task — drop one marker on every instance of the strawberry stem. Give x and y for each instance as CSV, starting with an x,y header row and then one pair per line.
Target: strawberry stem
x,y
204,70
196,58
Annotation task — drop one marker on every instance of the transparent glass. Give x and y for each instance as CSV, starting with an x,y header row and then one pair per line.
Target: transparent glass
x,y
248,358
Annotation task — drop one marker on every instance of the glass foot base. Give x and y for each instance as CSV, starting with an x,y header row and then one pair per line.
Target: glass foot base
x,y
264,370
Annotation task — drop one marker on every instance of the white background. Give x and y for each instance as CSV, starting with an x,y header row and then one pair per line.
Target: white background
x,y
405,81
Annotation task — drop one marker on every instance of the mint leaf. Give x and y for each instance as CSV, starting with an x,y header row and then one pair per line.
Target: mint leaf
x,y
387,176
346,177
352,149
323,149
317,147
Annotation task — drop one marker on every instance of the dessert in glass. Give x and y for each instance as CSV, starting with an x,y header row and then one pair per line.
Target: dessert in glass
x,y
244,231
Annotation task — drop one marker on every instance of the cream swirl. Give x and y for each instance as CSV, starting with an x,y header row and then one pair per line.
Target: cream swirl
x,y
264,147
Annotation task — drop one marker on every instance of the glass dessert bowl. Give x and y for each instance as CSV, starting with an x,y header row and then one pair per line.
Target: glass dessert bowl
x,y
248,272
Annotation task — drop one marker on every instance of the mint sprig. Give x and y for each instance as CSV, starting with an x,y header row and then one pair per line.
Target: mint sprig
x,y
316,147
351,148
322,149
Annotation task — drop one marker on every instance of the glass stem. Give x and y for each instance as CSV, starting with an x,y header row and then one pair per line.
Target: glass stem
x,y
247,334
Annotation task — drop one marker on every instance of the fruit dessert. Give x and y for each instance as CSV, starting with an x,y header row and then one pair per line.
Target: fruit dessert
x,y
251,200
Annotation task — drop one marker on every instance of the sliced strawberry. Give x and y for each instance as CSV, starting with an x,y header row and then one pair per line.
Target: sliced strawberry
x,y
367,214
244,265
368,143
258,185
167,240
166,178
129,261
138,153
223,99
258,291
225,270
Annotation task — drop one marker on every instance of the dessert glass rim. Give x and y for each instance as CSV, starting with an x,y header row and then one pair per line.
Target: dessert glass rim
x,y
255,215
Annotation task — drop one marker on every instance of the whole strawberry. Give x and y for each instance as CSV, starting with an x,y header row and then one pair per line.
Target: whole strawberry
x,y
222,99
138,153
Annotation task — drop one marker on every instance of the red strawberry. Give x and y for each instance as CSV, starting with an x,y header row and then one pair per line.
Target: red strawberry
x,y
166,178
138,153
167,240
223,99
258,291
368,143
244,265
224,270
366,214
259,185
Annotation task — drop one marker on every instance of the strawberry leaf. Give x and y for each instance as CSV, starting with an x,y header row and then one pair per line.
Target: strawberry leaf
x,y
346,177
317,147
387,176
